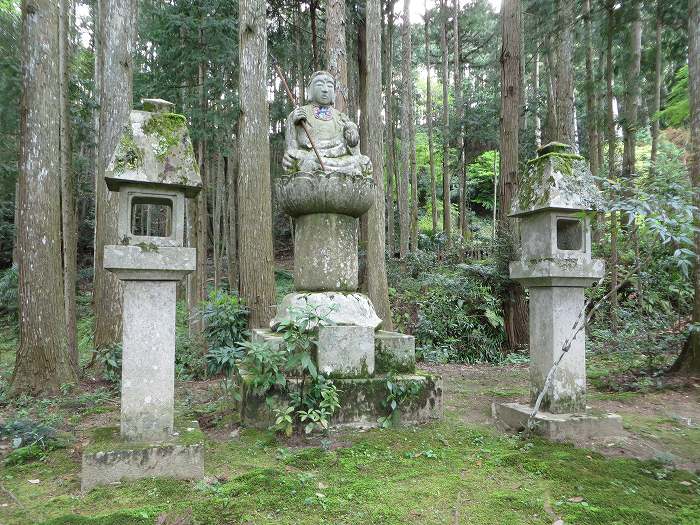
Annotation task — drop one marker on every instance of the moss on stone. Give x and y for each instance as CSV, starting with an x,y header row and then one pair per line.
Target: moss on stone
x,y
167,128
105,439
129,154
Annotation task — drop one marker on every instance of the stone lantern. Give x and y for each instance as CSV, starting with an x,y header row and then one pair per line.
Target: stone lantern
x,y
154,170
554,201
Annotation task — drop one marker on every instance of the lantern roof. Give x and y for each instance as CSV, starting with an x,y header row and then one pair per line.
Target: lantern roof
x,y
556,179
155,149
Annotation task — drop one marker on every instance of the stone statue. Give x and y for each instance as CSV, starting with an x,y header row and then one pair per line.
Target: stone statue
x,y
336,137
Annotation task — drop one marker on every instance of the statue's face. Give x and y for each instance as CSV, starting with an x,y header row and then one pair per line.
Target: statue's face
x,y
322,90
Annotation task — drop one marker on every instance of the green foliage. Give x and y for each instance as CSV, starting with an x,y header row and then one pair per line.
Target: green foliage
x,y
225,321
262,367
453,311
30,440
677,110
398,393
480,175
9,293
111,360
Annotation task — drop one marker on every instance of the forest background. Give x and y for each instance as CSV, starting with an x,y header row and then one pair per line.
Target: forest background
x,y
611,79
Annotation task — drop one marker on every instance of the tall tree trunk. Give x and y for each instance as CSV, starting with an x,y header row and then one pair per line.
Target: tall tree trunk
x,y
232,248
117,42
254,192
515,307
550,131
536,124
218,187
564,74
405,171
689,359
313,15
377,287
656,101
610,124
43,362
413,162
591,111
447,208
390,128
459,110
429,121
68,211
336,52
629,128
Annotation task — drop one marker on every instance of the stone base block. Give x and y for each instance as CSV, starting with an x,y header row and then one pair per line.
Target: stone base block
x,y
345,351
263,335
394,351
559,427
111,461
353,309
362,402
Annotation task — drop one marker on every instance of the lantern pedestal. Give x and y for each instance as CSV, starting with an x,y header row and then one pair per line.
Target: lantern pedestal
x,y
152,168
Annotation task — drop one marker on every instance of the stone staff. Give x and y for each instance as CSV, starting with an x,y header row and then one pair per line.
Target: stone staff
x,y
294,102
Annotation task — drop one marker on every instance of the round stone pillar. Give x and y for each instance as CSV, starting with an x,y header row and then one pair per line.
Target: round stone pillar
x,y
325,253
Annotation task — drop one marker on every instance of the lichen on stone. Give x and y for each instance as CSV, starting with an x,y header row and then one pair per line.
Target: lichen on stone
x,y
129,155
167,129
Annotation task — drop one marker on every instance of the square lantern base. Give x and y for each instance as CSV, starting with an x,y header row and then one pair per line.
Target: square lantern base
x,y
111,460
558,427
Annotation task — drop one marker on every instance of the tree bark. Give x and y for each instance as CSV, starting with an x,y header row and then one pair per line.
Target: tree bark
x,y
232,248
656,101
689,360
459,114
43,363
69,232
564,75
591,110
405,171
336,51
537,126
429,121
610,124
117,42
377,287
390,128
447,208
515,307
254,192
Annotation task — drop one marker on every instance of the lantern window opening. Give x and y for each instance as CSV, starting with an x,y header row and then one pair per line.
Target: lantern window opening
x,y
151,216
569,234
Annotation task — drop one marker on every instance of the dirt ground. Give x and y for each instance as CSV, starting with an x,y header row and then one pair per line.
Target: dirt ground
x,y
664,425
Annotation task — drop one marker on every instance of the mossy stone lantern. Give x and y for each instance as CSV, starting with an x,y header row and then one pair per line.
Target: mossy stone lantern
x,y
154,171
553,203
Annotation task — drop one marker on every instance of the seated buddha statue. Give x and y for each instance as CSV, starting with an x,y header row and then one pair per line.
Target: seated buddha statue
x,y
336,137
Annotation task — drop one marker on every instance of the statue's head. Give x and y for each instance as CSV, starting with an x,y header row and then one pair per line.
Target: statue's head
x,y
321,88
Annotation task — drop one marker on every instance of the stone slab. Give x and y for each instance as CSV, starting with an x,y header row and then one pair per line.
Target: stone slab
x,y
161,461
394,351
325,252
559,427
148,360
362,403
345,351
150,262
354,309
264,335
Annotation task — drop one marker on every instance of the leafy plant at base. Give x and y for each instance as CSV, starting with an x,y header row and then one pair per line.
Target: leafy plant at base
x,y
225,320
110,358
30,440
398,392
313,398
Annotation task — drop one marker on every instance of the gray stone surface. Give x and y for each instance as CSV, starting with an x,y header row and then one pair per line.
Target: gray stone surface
x,y
148,360
341,308
362,402
305,193
394,351
553,314
325,253
146,193
263,335
581,427
336,137
345,351
162,461
150,263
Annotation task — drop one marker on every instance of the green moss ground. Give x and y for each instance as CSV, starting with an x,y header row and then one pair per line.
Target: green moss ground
x,y
455,471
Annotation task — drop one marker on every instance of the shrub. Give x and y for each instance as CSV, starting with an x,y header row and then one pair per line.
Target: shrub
x,y
225,320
